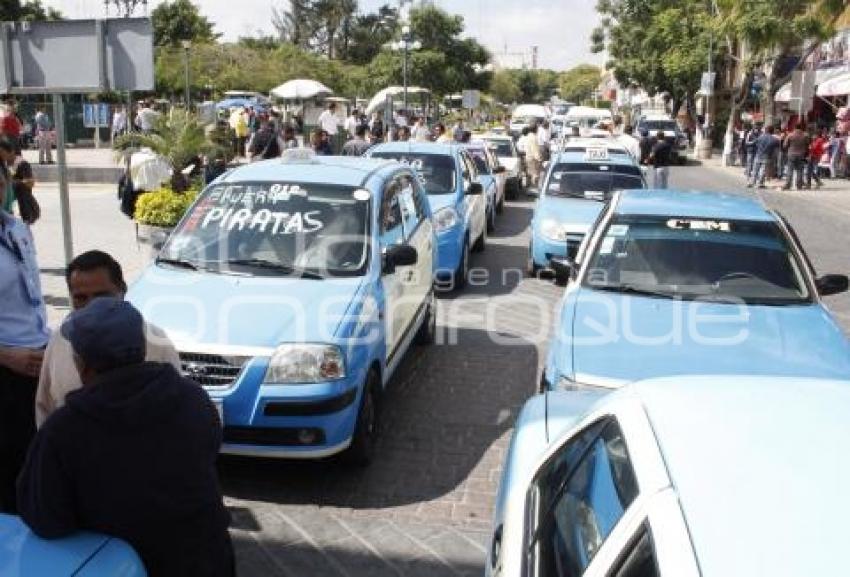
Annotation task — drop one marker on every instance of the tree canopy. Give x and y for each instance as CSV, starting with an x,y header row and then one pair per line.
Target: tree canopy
x,y
28,11
178,20
579,83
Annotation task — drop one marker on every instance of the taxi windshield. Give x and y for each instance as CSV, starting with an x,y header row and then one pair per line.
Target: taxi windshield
x,y
274,229
502,147
689,258
436,172
592,181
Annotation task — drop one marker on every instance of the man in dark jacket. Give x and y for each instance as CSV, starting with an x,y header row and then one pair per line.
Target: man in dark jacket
x,y
766,146
750,140
132,454
264,144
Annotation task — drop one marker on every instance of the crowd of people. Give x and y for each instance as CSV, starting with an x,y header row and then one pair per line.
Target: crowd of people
x,y
797,157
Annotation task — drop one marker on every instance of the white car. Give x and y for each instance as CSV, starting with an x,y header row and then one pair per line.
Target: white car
x,y
712,476
525,115
504,147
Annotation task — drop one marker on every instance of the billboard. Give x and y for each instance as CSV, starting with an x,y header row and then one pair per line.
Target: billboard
x,y
76,56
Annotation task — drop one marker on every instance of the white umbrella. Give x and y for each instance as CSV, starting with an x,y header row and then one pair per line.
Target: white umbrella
x,y
300,89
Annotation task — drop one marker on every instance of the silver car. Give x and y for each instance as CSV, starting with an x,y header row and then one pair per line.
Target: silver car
x,y
713,476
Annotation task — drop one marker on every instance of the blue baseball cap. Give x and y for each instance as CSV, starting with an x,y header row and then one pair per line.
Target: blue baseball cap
x,y
106,334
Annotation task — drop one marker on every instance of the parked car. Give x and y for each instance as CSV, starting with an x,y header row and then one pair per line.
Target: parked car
x,y
508,156
576,187
292,290
492,177
85,554
586,118
652,124
679,282
525,115
450,179
708,476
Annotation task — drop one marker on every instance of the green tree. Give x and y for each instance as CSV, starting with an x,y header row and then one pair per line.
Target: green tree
x,y
370,33
29,11
504,87
579,83
180,20
126,8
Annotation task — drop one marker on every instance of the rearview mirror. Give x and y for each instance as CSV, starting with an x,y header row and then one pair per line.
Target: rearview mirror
x,y
832,284
474,189
399,255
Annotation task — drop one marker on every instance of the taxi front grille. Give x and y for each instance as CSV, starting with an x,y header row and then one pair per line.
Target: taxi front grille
x,y
212,370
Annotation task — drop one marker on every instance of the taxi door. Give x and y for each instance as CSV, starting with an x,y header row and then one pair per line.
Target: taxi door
x,y
391,222
418,233
476,205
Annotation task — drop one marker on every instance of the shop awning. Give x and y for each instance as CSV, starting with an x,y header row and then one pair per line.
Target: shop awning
x,y
821,77
835,86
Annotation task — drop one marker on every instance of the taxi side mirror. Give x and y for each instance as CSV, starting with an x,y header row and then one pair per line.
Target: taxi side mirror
x,y
399,255
832,284
565,269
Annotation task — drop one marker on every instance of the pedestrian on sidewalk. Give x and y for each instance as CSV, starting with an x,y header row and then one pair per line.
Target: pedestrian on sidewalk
x,y
816,151
329,123
22,181
750,149
42,136
132,454
119,122
23,336
10,124
358,145
797,144
288,139
90,275
264,143
660,158
766,146
533,155
783,168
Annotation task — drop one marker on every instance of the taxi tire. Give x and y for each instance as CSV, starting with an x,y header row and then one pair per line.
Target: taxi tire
x,y
481,243
500,208
361,452
491,219
531,269
460,275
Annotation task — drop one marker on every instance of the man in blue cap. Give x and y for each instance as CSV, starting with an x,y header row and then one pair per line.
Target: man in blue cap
x,y
131,454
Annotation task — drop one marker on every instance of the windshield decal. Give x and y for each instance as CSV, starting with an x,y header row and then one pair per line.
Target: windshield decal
x,y
263,220
689,224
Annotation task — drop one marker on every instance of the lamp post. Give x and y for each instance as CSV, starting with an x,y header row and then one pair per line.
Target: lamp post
x,y
187,44
406,45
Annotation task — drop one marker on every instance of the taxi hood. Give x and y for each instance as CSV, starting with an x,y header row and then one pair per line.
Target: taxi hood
x,y
244,311
577,214
620,338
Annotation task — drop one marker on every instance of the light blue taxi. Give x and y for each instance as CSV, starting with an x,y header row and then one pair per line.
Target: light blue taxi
x,y
84,554
292,289
449,177
577,184
684,282
706,476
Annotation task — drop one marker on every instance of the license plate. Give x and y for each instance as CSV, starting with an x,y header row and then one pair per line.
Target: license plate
x,y
219,407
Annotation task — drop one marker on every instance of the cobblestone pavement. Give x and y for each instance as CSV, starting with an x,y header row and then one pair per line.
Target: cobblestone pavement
x,y
424,506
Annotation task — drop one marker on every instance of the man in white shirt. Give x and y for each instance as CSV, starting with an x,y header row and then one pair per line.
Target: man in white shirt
x,y
351,124
329,121
146,118
420,131
90,275
629,142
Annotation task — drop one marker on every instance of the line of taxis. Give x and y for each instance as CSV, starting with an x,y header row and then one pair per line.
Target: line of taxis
x,y
695,394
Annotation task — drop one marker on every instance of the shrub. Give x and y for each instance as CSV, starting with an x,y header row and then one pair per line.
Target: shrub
x,y
163,207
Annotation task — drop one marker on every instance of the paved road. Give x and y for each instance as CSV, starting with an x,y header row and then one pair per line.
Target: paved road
x,y
424,507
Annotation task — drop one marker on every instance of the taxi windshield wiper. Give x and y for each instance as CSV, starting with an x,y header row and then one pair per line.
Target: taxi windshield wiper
x,y
178,262
275,266
632,289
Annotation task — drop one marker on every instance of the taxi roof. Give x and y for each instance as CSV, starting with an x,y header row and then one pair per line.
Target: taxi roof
x,y
418,147
336,170
579,156
692,203
757,463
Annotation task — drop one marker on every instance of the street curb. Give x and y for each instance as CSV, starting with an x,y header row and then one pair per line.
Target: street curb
x,y
78,174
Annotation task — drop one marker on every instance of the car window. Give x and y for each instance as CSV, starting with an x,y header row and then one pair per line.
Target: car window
x,y
580,495
391,215
262,228
503,147
639,559
469,174
436,172
479,157
407,199
690,258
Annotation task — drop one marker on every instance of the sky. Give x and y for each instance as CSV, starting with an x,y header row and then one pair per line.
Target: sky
x,y
560,28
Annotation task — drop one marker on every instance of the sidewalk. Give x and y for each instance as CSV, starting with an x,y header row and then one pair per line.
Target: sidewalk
x,y
715,162
85,165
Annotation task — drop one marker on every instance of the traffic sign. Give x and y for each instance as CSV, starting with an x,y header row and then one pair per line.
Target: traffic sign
x,y
471,99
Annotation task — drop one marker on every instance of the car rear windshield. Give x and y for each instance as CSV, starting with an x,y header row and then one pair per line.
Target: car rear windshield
x,y
436,172
502,147
667,125
274,228
697,258
594,181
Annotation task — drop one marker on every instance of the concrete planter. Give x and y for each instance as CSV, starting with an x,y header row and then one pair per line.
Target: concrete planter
x,y
152,238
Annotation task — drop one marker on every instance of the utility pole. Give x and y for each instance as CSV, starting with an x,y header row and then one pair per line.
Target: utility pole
x,y
534,53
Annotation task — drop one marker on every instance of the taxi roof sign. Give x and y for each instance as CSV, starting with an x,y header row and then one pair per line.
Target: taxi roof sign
x,y
298,156
596,153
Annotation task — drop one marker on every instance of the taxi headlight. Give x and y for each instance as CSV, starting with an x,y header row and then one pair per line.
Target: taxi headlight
x,y
305,363
553,230
445,218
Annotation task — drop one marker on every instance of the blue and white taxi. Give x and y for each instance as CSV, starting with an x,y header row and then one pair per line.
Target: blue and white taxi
x,y
684,282
706,476
576,186
84,554
292,289
450,179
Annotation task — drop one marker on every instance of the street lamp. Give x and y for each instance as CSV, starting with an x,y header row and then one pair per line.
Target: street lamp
x,y
406,45
187,44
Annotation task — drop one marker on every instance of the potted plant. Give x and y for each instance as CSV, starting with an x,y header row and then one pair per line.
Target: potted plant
x,y
157,213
